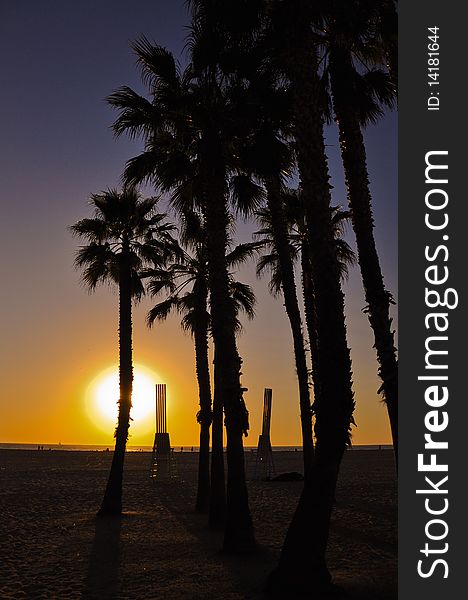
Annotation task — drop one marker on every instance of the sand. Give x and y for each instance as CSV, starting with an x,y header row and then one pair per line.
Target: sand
x,y
51,545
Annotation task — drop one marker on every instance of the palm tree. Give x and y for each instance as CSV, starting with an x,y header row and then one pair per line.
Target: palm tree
x,y
299,249
292,53
358,99
244,300
279,231
125,234
268,157
190,128
186,282
192,305
293,49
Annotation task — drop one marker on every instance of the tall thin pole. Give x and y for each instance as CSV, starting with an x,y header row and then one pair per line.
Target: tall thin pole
x,y
266,411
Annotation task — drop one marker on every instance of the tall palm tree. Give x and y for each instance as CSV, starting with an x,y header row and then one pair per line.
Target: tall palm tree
x,y
190,128
244,300
299,250
292,52
124,235
268,156
186,283
279,231
292,46
192,305
359,92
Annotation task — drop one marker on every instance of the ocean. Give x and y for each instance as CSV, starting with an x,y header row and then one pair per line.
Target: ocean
x,y
131,448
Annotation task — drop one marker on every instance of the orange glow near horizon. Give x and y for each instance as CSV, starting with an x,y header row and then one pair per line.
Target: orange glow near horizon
x,y
56,398
103,393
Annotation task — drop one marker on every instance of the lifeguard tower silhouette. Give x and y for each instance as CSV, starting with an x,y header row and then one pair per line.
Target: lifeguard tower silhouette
x,y
264,465
162,466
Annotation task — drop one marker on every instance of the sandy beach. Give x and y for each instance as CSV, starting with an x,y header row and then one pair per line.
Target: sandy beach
x,y
51,545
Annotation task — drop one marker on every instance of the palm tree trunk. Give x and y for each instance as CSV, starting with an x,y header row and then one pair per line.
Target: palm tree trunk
x,y
238,532
112,501
204,416
302,570
310,315
302,563
353,153
218,485
280,238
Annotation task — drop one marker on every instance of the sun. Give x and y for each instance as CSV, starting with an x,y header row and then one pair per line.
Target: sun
x,y
103,394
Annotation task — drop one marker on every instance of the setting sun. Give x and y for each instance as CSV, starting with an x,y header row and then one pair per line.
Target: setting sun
x,y
103,394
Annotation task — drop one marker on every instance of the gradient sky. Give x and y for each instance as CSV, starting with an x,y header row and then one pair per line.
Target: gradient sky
x,y
58,61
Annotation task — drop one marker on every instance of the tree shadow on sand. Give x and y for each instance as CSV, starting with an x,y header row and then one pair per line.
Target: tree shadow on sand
x,y
247,572
102,578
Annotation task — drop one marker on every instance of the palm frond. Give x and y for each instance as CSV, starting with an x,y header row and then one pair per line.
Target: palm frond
x,y
192,232
139,168
269,263
242,253
162,310
155,286
156,63
244,297
126,230
246,195
97,262
173,169
346,257
137,115
95,230
138,289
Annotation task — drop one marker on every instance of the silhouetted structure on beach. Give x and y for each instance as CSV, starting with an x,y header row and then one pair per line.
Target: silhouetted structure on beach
x,y
161,458
264,465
